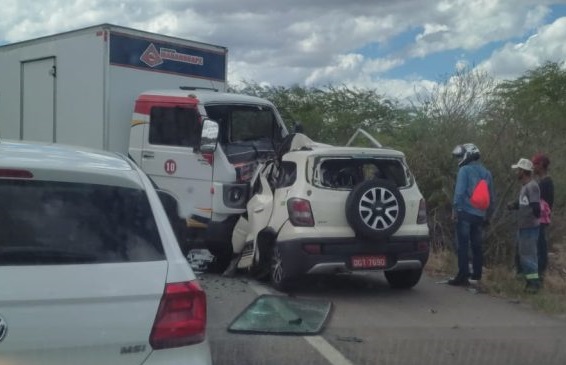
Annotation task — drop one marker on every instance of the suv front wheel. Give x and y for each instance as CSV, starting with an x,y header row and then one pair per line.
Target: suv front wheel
x,y
404,279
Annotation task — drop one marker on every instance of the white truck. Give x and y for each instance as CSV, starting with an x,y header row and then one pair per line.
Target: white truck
x,y
147,96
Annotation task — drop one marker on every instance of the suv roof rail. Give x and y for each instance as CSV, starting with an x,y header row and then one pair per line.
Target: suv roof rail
x,y
365,134
198,88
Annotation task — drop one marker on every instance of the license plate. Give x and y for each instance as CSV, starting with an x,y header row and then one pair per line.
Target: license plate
x,y
369,262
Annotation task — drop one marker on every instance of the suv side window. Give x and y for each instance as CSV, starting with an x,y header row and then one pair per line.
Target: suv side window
x,y
174,126
285,175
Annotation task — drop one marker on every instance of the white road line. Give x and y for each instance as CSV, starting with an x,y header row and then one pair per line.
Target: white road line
x,y
328,351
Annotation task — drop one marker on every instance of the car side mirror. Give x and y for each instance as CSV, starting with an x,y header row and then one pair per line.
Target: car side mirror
x,y
209,136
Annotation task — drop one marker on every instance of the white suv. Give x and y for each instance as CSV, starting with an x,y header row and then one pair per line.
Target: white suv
x,y
321,209
90,269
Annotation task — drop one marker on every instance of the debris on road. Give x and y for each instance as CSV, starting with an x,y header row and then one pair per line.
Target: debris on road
x,y
200,259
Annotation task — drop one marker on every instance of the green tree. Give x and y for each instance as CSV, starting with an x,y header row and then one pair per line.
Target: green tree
x,y
331,114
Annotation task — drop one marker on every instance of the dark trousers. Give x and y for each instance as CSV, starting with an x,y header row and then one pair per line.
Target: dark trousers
x,y
542,250
469,230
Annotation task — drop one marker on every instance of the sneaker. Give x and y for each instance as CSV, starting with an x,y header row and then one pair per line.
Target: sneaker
x,y
458,281
474,281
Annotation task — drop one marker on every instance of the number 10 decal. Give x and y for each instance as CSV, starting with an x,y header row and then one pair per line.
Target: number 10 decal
x,y
170,167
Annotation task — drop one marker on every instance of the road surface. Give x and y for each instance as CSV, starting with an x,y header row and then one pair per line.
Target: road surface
x,y
373,324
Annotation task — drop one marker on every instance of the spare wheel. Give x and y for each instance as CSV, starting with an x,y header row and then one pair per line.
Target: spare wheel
x,y
375,209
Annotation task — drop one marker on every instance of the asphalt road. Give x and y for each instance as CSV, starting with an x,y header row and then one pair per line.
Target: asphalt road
x,y
373,324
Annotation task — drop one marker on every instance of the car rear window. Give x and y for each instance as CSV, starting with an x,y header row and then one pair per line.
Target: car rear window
x,y
45,222
347,172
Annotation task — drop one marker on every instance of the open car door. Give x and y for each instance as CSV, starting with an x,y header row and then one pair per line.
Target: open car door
x,y
259,209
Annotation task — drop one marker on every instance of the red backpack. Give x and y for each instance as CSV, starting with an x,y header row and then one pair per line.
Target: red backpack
x,y
480,196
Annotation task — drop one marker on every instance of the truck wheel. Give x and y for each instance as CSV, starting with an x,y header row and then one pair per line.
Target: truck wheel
x,y
375,209
222,257
405,279
281,278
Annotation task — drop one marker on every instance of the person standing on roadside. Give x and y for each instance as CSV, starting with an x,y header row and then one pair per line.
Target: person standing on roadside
x,y
528,207
540,165
473,200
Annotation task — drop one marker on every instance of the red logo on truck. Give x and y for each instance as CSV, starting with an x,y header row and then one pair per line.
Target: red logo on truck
x,y
155,57
151,56
170,167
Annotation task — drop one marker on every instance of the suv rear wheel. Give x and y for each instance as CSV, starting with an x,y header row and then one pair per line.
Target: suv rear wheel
x,y
375,209
405,279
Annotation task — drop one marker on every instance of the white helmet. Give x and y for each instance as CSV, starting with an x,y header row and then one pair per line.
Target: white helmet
x,y
466,153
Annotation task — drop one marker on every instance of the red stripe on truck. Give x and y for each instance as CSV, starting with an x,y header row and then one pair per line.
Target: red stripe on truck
x,y
144,103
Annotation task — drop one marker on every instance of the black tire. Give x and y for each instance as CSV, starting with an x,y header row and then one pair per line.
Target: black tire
x,y
375,209
281,278
405,279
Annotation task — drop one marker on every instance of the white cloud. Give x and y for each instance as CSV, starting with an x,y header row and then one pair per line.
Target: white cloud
x,y
471,24
314,42
515,58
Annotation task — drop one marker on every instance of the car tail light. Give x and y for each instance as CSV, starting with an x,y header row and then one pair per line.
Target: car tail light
x,y
181,317
300,212
313,248
421,217
208,157
15,173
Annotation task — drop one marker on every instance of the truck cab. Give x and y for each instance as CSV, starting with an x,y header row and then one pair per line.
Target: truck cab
x,y
210,186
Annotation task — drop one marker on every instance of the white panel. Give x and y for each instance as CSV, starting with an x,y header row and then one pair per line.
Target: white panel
x,y
38,92
79,91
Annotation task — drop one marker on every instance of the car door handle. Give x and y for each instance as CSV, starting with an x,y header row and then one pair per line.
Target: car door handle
x,y
148,154
258,210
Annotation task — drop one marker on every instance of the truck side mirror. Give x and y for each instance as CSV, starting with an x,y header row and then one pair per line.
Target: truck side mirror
x,y
209,136
298,127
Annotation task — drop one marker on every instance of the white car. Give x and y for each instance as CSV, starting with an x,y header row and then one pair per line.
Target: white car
x,y
320,209
90,269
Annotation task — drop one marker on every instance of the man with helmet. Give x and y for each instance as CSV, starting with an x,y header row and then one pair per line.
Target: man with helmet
x,y
473,200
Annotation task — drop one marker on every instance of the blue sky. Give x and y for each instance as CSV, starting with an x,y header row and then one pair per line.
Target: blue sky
x,y
392,46
438,65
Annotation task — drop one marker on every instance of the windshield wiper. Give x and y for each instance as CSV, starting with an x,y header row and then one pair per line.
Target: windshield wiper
x,y
36,255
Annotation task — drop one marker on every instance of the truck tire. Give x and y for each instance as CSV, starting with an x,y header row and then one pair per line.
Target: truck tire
x,y
405,279
222,256
375,209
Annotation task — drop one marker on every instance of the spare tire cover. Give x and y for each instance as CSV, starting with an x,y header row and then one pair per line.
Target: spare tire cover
x,y
375,209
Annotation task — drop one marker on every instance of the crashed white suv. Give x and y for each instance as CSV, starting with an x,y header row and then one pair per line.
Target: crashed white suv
x,y
319,209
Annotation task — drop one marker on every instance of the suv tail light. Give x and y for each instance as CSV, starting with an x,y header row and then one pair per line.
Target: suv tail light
x,y
300,212
181,316
421,217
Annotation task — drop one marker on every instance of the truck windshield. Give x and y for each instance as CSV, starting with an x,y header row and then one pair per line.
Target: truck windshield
x,y
244,123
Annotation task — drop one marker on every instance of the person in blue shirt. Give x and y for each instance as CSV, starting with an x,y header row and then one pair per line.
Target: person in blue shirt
x,y
470,219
